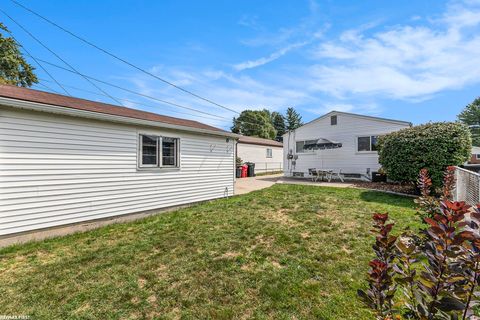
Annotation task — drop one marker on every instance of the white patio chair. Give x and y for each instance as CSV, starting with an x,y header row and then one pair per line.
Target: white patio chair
x,y
314,173
337,175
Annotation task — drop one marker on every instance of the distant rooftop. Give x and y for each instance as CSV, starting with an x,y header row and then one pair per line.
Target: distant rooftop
x,y
259,141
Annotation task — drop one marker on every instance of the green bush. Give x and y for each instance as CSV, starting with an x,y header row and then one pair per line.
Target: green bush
x,y
433,146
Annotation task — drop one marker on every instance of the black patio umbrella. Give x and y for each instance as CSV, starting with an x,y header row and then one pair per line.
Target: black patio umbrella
x,y
322,144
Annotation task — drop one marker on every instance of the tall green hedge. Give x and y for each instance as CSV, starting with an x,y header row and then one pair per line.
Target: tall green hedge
x,y
433,146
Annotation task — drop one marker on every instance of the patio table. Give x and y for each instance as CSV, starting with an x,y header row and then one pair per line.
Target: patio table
x,y
327,173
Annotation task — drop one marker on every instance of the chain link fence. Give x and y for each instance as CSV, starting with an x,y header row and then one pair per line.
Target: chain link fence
x,y
268,167
467,186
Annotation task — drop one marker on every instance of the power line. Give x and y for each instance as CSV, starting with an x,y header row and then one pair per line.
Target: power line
x,y
138,103
135,102
38,63
46,87
132,91
144,95
121,59
56,55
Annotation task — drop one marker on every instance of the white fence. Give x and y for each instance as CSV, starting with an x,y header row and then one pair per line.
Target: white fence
x,y
467,186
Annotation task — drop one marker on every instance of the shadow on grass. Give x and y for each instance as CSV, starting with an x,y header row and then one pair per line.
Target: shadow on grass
x,y
386,198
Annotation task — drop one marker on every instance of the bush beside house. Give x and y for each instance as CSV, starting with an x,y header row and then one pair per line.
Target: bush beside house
x,y
434,146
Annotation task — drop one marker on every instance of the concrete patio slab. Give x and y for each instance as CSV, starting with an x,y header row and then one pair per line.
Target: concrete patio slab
x,y
246,185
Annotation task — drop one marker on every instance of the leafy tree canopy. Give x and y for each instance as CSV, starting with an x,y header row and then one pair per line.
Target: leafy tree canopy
x,y
255,123
470,116
14,69
266,124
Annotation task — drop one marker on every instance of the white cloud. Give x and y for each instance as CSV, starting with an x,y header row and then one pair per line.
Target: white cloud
x,y
403,62
369,108
238,92
272,57
413,61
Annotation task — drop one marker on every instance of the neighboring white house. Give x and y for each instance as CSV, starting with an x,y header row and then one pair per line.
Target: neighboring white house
x,y
65,160
266,154
475,156
338,141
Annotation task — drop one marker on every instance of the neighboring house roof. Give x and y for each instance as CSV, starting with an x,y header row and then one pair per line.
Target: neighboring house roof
x,y
406,123
475,150
259,141
51,99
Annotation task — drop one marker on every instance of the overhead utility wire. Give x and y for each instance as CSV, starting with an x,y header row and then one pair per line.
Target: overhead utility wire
x,y
56,55
121,59
139,94
144,95
131,91
141,103
46,87
135,102
39,64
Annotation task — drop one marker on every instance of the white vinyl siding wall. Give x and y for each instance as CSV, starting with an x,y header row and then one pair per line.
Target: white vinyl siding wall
x,y
258,155
58,170
346,131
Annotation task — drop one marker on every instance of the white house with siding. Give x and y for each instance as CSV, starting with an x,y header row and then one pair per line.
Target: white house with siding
x,y
266,154
339,141
65,160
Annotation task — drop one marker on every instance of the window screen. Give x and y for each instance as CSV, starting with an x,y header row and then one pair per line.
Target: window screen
x,y
269,153
299,146
374,143
169,151
333,120
363,144
149,150
156,151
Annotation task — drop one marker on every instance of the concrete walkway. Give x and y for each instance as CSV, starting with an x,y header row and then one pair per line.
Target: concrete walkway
x,y
246,185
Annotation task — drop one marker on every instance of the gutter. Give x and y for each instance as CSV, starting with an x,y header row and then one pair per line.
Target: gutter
x,y
261,144
35,106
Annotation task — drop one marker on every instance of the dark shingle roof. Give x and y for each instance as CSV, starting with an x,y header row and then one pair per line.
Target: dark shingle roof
x,y
32,95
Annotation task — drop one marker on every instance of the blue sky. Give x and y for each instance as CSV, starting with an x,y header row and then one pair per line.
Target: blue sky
x,y
417,61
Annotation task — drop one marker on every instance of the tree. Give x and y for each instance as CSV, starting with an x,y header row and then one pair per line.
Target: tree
x,y
278,122
254,123
433,146
293,119
470,116
14,69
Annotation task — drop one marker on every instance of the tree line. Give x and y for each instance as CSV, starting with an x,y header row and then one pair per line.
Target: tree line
x,y
266,124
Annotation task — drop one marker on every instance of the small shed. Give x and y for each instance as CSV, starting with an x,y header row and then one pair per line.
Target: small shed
x,y
65,160
266,154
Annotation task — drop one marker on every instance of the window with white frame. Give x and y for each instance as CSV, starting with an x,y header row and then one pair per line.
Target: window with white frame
x,y
269,153
300,146
477,156
158,152
367,143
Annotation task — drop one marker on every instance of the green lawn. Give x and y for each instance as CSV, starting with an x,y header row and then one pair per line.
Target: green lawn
x,y
287,252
